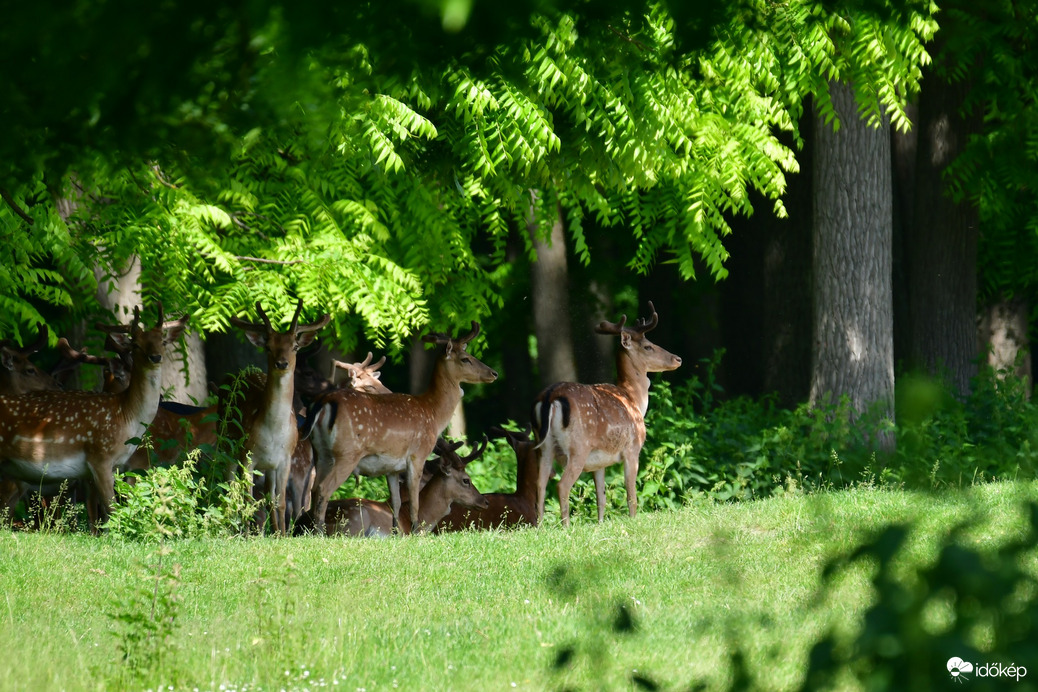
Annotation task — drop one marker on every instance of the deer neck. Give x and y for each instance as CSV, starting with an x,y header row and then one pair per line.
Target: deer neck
x,y
277,395
140,401
442,396
432,505
526,474
633,381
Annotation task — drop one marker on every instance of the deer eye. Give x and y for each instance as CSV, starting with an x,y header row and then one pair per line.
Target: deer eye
x,y
466,360
30,371
648,347
466,481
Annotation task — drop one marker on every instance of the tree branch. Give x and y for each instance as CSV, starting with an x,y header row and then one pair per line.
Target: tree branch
x,y
267,261
14,206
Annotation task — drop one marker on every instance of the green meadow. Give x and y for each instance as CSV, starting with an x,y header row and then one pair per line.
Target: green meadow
x,y
711,596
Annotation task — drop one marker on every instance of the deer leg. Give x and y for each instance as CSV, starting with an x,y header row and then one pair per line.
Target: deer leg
x,y
570,474
100,495
414,482
544,473
600,493
393,481
630,480
334,476
279,487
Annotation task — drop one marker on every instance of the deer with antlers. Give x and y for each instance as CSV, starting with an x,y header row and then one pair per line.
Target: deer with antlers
x,y
54,436
175,428
390,434
447,485
268,426
504,510
587,427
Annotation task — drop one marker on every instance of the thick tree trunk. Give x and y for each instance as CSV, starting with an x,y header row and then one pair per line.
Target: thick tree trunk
x,y
549,286
942,243
853,352
1003,336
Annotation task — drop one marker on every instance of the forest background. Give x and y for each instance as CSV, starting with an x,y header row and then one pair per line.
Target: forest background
x,y
830,192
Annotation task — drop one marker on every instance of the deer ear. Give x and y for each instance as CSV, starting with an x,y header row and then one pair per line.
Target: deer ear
x,y
450,346
305,339
625,340
8,359
257,339
121,340
173,331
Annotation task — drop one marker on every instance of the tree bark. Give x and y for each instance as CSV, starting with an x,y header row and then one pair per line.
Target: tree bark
x,y
853,351
1003,336
942,243
549,286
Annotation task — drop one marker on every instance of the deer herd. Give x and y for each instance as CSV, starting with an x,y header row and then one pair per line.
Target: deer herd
x,y
301,436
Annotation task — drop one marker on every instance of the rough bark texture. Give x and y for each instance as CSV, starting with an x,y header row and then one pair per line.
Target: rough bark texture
x,y
1002,335
942,244
853,352
549,286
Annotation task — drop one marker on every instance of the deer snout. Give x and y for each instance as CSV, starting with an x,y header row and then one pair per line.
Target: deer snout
x,y
281,364
155,358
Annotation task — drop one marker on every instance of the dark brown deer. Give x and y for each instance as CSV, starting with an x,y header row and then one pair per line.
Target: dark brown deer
x,y
267,426
19,375
390,434
448,485
587,427
49,437
504,510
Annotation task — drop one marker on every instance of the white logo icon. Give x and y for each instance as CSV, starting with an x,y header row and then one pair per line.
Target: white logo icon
x,y
958,668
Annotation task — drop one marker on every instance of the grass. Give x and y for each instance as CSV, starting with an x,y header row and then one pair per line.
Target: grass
x,y
665,598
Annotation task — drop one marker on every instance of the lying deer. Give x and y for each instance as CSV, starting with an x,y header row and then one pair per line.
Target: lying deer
x,y
448,485
505,510
54,436
390,434
587,427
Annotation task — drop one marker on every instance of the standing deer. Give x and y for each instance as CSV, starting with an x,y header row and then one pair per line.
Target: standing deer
x,y
587,427
19,375
175,428
505,509
54,436
390,434
361,377
268,425
448,485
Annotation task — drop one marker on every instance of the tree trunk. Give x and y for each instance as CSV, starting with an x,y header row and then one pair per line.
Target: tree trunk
x,y
942,243
853,352
184,375
549,286
1003,336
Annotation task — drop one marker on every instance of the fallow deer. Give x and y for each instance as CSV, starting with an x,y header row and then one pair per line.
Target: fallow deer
x,y
505,510
54,436
390,434
589,427
269,427
448,485
176,427
19,375
360,377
